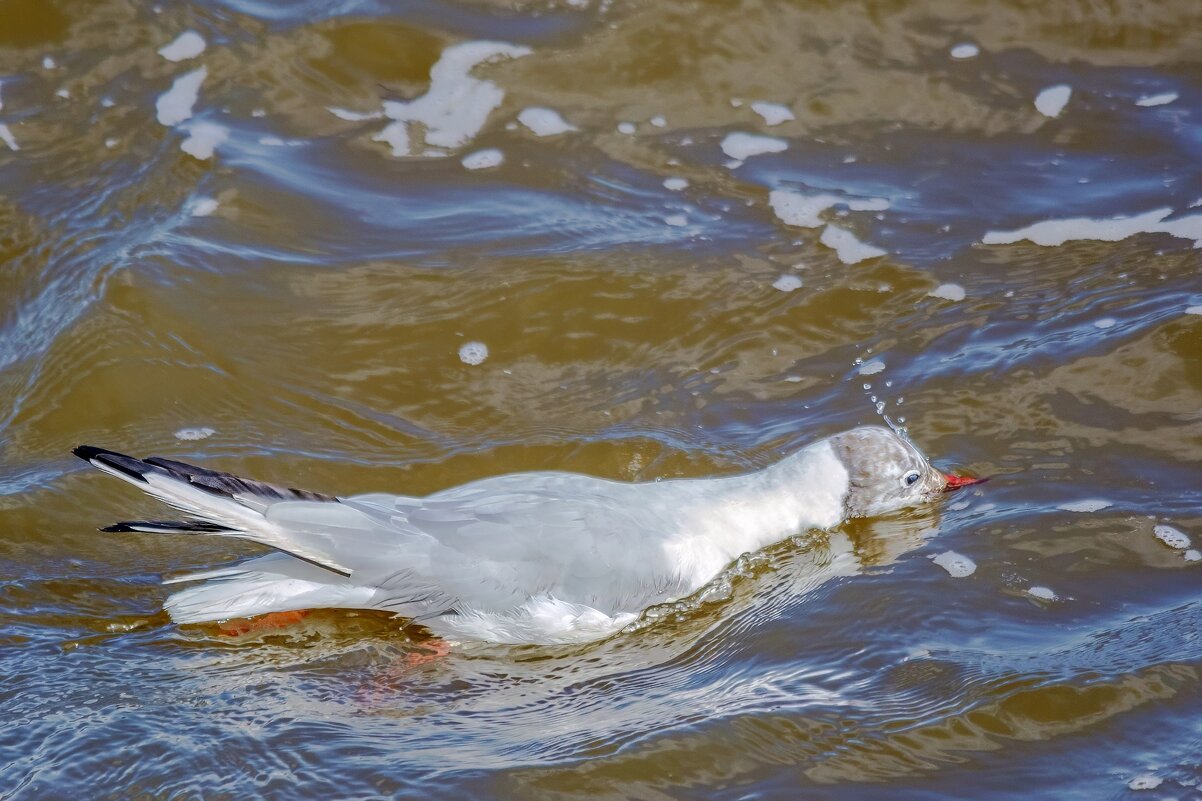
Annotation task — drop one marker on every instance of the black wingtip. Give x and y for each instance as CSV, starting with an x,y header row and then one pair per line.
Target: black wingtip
x,y
88,452
117,527
134,468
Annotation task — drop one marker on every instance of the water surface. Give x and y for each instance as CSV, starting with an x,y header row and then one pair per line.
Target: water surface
x,y
280,284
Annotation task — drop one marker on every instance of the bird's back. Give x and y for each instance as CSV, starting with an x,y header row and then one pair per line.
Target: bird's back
x,y
498,541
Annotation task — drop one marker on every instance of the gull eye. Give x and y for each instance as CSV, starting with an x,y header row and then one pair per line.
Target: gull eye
x,y
910,478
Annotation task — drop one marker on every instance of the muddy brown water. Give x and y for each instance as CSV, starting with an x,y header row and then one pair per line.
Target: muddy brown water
x,y
658,298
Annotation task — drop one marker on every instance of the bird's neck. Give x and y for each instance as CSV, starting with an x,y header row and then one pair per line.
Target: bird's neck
x,y
803,491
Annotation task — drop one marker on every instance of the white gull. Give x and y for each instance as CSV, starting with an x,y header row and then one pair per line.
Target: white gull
x,y
539,557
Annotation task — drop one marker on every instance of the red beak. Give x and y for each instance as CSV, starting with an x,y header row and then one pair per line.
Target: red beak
x,y
956,482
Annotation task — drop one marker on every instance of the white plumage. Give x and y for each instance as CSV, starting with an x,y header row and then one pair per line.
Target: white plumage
x,y
537,557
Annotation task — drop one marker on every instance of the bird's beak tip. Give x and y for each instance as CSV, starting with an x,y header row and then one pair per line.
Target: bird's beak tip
x,y
956,482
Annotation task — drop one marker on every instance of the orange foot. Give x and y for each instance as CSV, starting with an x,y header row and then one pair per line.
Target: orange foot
x,y
428,651
267,622
395,675
434,649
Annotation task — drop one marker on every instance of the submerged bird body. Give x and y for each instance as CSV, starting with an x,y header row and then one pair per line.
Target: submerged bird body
x,y
521,558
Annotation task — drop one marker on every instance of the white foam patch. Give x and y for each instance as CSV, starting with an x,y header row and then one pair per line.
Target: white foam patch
x,y
1162,99
1171,536
63,93
1194,310
787,283
1052,100
1192,555
626,128
794,208
483,159
111,142
204,206
1052,233
872,367
956,564
6,136
343,114
676,220
1105,322
203,139
965,50
48,63
473,353
948,292
396,136
1087,505
1042,593
675,184
849,249
189,434
456,106
175,105
188,44
742,146
804,211
658,121
544,121
1145,782
773,113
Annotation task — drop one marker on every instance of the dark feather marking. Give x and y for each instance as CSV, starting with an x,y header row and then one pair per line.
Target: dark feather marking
x,y
211,481
180,468
117,461
335,570
228,484
180,526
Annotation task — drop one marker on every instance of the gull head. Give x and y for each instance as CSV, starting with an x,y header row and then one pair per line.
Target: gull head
x,y
886,472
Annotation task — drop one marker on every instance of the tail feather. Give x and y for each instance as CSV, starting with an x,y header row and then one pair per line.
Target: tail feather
x,y
271,583
228,505
249,593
